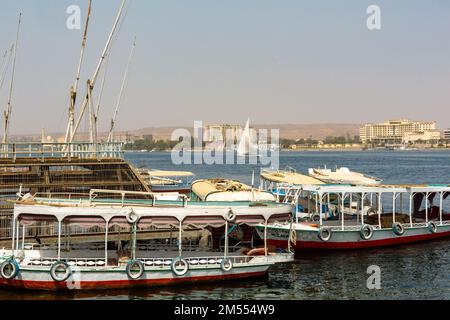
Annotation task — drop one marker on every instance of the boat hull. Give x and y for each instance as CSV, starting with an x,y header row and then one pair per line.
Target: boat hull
x,y
183,189
351,239
40,279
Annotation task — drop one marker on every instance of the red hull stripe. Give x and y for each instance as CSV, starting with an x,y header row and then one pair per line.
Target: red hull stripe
x,y
122,284
322,245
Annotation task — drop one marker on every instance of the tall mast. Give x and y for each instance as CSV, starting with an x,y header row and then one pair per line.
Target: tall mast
x,y
97,109
97,70
5,63
74,88
124,83
8,110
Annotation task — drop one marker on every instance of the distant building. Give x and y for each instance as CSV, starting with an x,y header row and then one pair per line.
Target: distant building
x,y
447,134
148,137
217,133
399,131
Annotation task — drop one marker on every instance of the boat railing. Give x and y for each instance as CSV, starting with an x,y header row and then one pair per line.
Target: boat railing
x,y
377,227
72,262
98,195
83,150
148,262
93,194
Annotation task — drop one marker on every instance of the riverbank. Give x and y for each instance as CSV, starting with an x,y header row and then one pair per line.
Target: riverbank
x,y
318,149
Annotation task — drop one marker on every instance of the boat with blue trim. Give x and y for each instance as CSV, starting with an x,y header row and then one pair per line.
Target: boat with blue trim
x,y
114,263
335,217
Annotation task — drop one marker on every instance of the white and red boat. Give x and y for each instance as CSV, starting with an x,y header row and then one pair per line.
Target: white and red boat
x,y
350,217
64,265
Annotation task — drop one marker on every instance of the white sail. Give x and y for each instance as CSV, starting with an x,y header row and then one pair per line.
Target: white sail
x,y
246,146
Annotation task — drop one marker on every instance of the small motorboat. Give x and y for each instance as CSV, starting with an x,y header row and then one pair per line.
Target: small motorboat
x,y
167,181
343,175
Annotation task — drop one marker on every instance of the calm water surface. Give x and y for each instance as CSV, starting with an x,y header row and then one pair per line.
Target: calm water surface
x,y
418,271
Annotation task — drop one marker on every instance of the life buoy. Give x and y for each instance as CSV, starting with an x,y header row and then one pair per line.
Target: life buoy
x,y
371,212
9,269
135,269
132,217
226,265
398,229
366,232
325,234
60,271
230,216
179,267
432,227
293,236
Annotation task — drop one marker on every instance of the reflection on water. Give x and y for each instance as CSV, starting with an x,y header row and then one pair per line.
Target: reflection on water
x,y
418,271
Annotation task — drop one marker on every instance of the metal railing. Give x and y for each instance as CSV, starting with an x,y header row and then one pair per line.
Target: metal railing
x,y
83,150
163,263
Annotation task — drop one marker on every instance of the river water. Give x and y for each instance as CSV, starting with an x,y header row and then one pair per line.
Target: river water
x,y
417,271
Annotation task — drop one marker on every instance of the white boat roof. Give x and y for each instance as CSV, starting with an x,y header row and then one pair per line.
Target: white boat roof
x,y
288,177
342,174
166,173
406,188
228,190
96,211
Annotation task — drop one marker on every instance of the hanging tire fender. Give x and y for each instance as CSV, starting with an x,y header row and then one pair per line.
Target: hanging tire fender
x,y
133,264
325,234
293,236
432,227
366,232
315,217
14,269
176,263
398,229
226,265
57,267
230,216
132,217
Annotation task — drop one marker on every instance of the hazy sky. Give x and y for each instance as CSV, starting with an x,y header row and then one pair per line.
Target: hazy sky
x,y
277,61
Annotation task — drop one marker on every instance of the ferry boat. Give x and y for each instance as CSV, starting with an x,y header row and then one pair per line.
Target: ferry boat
x,y
354,217
93,266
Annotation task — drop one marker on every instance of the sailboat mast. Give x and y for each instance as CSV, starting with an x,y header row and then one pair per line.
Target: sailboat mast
x,y
97,70
100,96
122,89
74,89
5,62
7,113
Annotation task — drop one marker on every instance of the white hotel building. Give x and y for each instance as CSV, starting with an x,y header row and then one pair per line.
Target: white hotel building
x,y
399,131
447,134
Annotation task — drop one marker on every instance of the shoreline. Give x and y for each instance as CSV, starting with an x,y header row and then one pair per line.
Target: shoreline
x,y
316,150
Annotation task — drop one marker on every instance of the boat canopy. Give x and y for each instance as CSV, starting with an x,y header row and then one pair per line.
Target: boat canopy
x,y
288,177
343,175
169,174
88,214
228,190
404,188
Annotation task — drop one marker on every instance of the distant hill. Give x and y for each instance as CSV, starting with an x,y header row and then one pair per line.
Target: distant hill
x,y
287,131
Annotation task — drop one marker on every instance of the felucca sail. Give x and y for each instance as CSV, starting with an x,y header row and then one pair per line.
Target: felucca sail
x,y
246,147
